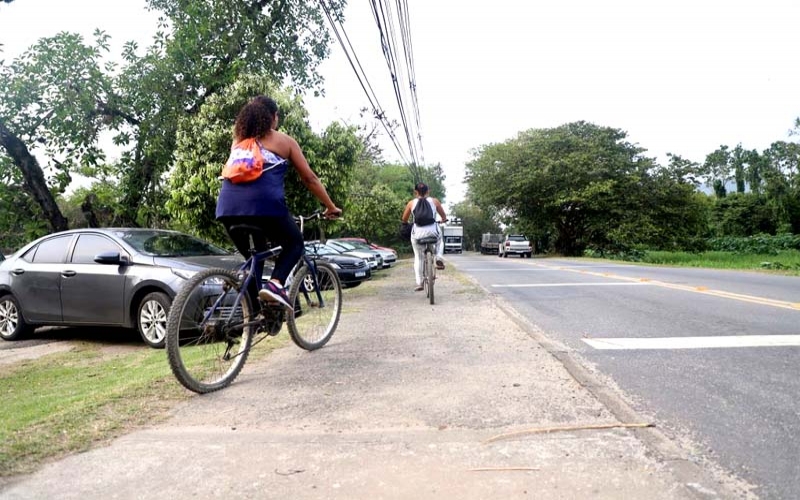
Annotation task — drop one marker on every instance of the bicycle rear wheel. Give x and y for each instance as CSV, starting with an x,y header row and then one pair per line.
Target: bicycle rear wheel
x,y
209,330
317,305
430,275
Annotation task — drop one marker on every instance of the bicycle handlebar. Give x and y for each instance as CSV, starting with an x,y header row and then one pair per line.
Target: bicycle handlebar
x,y
318,214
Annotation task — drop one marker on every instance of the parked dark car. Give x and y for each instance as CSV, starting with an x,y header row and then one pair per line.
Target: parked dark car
x,y
352,270
106,277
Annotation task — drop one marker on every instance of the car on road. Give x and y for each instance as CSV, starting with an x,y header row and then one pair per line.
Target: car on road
x,y
123,277
352,270
389,255
515,244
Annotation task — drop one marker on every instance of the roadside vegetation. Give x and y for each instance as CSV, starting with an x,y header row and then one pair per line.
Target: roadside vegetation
x,y
66,402
779,254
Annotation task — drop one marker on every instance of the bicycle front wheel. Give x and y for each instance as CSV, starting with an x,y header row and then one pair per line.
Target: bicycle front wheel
x,y
210,328
317,298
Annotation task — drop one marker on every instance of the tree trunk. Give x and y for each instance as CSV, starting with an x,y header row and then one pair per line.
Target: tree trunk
x,y
35,183
87,208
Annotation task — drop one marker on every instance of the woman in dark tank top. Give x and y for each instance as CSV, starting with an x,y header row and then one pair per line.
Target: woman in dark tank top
x,y
262,202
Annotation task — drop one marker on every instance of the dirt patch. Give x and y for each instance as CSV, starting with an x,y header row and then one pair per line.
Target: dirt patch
x,y
11,356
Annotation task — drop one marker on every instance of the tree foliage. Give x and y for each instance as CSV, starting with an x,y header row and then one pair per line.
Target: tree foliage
x,y
48,107
584,185
60,95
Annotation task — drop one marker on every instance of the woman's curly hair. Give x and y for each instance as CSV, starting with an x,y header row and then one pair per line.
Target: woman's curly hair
x,y
255,118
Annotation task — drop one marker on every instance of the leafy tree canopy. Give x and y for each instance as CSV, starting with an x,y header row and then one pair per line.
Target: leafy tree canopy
x,y
582,183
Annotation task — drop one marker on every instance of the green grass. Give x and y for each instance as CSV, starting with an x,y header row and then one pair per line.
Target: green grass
x,y
785,262
66,402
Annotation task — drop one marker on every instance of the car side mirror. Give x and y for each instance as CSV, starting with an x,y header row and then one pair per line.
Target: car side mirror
x,y
112,258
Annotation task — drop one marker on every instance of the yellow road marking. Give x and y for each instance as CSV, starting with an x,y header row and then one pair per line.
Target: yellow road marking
x,y
687,288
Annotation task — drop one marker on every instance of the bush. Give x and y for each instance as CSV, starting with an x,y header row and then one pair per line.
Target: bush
x,y
762,244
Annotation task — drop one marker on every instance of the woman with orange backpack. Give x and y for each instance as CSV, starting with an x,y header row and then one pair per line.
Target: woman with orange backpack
x,y
253,190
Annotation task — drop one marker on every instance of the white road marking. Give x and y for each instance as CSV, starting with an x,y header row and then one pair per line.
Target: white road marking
x,y
531,285
695,342
518,270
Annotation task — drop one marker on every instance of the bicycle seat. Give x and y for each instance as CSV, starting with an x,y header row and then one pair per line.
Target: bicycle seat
x,y
428,239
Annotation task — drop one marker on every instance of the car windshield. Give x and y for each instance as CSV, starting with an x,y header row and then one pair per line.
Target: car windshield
x,y
320,249
357,244
168,244
342,244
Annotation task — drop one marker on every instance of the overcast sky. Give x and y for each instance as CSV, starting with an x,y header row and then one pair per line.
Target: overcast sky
x,y
678,76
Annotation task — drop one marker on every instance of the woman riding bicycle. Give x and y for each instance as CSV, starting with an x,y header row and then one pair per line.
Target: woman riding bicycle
x,y
422,231
262,202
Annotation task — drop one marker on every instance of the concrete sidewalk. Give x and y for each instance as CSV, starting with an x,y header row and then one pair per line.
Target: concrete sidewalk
x,y
408,400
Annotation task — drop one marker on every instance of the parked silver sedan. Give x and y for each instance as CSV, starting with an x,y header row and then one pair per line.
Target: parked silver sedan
x,y
108,277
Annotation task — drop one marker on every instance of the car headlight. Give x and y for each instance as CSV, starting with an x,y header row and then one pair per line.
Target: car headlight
x,y
183,273
335,265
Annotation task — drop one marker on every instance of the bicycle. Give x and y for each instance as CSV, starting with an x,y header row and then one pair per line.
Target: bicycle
x,y
213,324
429,264
428,267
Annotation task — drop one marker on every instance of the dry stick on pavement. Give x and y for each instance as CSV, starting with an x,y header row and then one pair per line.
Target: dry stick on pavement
x,y
494,469
544,430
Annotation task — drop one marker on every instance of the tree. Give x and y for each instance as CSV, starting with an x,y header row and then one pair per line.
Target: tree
x,y
743,214
374,214
204,141
58,96
49,106
717,167
201,48
584,184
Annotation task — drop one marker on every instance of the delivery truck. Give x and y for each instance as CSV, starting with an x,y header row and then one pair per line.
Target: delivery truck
x,y
453,238
490,243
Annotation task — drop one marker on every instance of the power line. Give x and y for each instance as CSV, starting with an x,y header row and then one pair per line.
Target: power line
x,y
401,72
377,110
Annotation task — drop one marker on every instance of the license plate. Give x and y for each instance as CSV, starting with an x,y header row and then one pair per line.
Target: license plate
x,y
360,274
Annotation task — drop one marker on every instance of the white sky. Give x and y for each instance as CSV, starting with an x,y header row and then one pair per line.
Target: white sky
x,y
678,76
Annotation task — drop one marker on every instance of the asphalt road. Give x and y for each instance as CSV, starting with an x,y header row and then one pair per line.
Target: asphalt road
x,y
739,402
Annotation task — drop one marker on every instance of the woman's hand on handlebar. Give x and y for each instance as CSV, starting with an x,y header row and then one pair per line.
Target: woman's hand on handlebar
x,y
332,213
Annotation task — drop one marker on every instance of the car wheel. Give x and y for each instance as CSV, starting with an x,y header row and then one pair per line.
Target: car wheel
x,y
151,321
12,324
308,282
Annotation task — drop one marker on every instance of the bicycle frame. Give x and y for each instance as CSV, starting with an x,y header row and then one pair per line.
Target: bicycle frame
x,y
250,265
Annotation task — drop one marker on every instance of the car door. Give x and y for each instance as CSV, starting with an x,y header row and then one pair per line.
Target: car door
x,y
93,293
36,279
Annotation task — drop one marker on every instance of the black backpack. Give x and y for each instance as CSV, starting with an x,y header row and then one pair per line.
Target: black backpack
x,y
423,213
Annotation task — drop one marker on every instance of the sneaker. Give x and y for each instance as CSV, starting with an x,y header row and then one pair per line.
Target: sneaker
x,y
439,264
418,288
274,293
